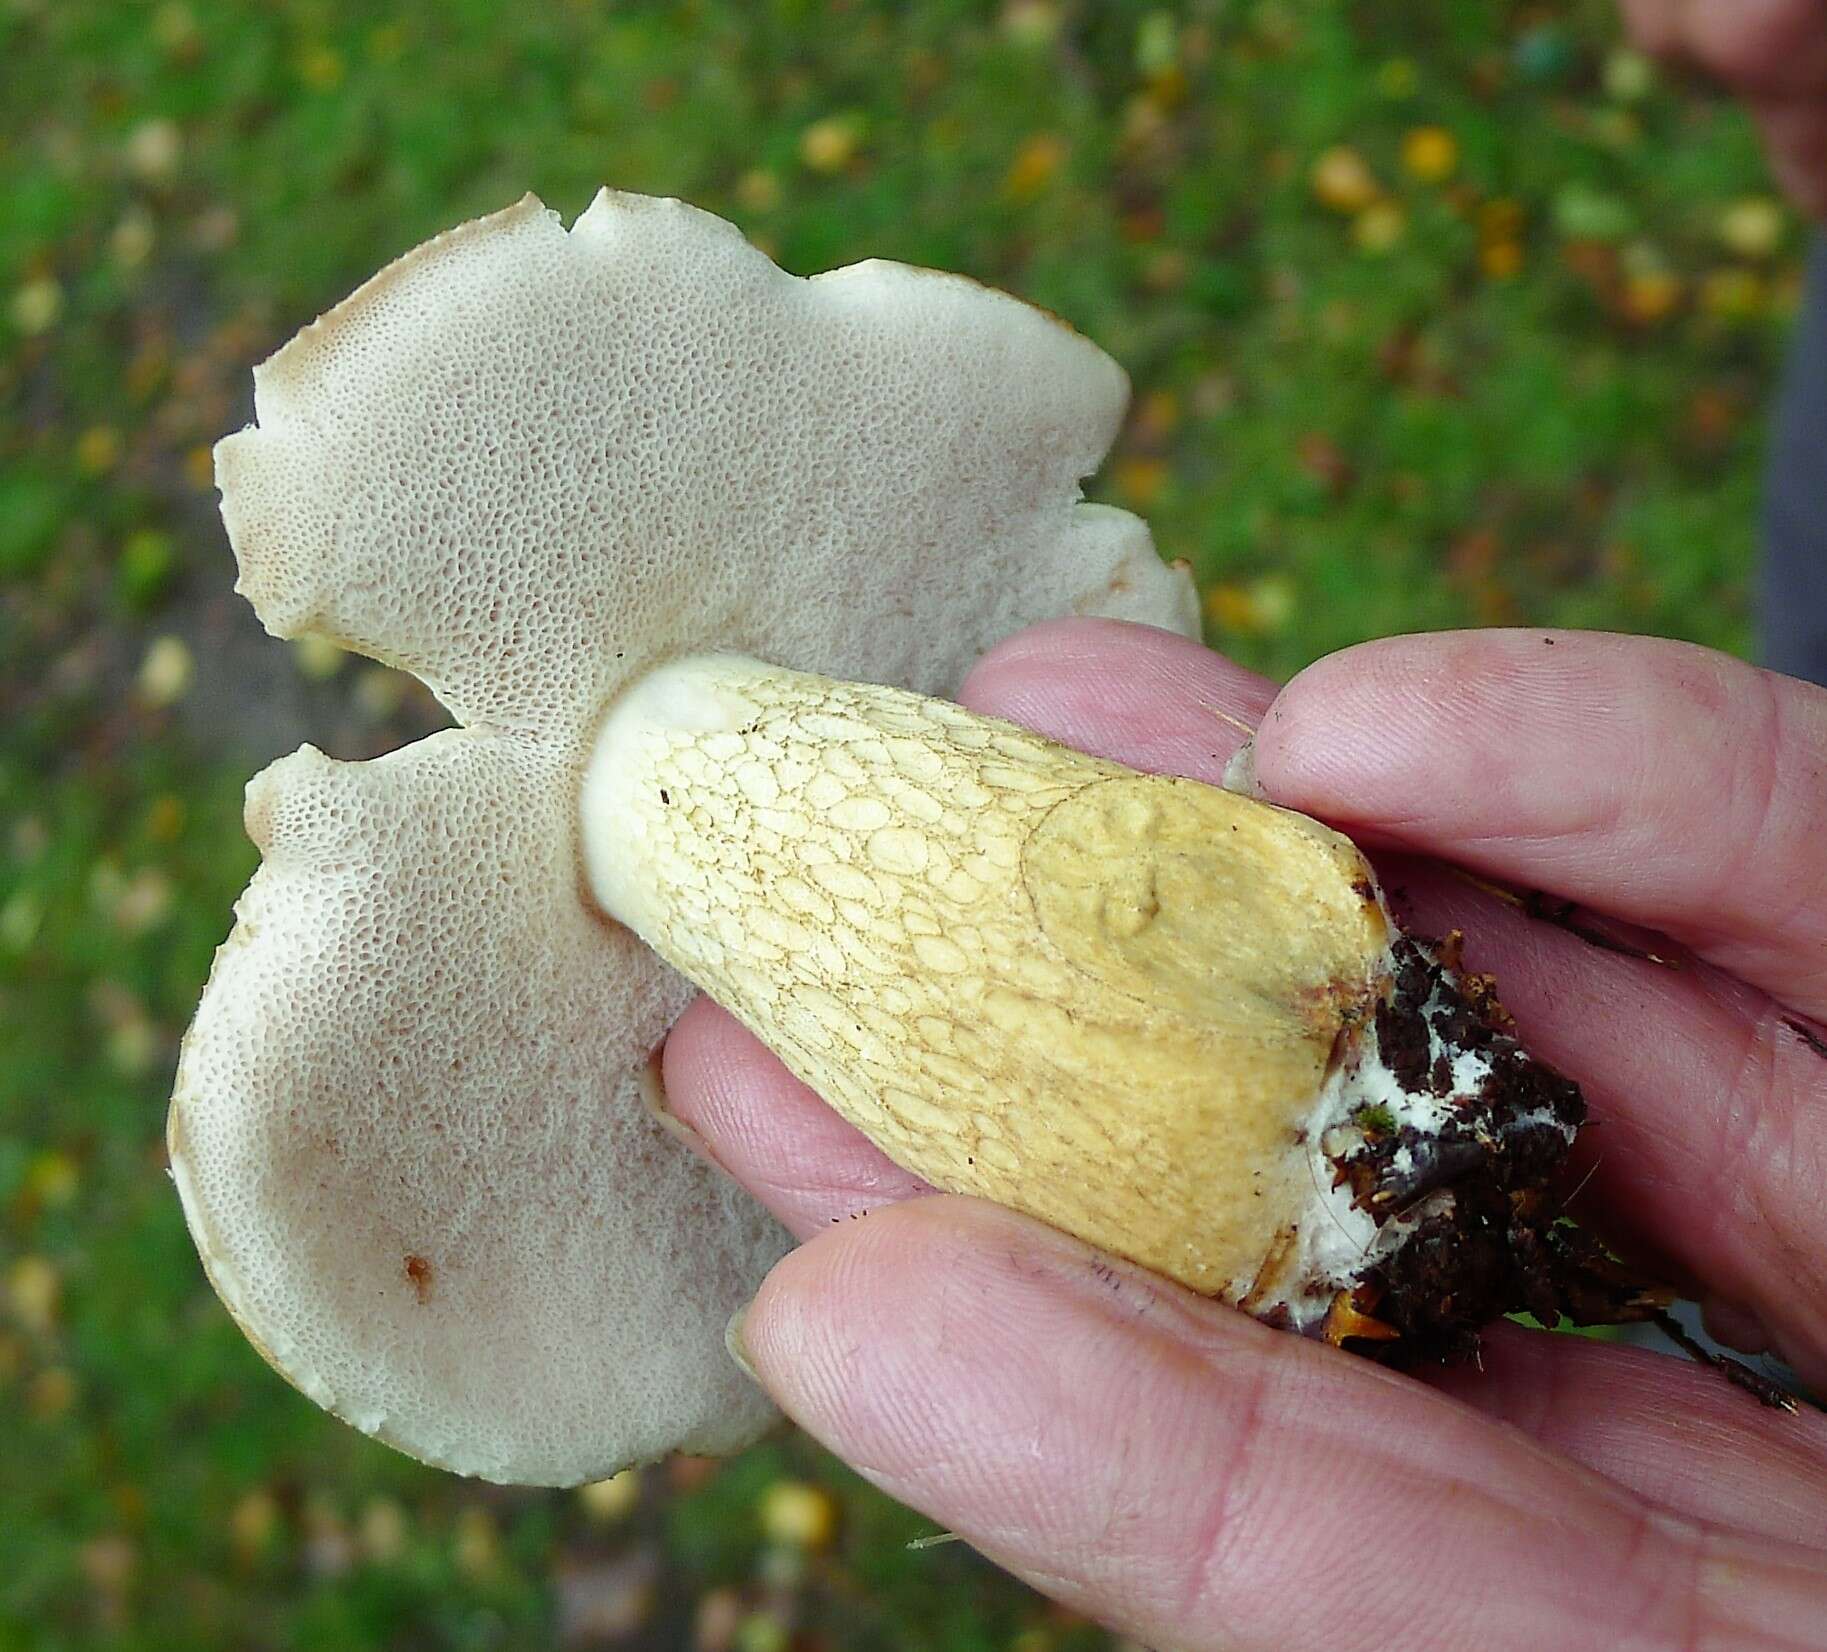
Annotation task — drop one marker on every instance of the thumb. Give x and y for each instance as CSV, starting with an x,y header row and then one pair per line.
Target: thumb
x,y
1181,1473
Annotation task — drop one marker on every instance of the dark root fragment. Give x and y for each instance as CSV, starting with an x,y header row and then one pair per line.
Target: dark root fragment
x,y
1486,1234
1474,1191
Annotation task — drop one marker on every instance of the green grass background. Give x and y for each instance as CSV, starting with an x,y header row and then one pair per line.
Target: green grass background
x,y
1513,369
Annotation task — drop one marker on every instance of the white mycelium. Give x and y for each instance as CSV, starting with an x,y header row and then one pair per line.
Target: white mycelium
x,y
1338,1240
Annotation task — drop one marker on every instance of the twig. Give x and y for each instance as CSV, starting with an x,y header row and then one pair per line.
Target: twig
x,y
1592,1170
1223,716
1560,913
1807,1035
1767,1392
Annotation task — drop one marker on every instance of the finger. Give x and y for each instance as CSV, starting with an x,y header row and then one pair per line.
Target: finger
x,y
1774,52
1182,1473
1131,693
1795,134
1665,1428
1608,1408
1653,25
1709,1142
1769,47
771,1132
1671,785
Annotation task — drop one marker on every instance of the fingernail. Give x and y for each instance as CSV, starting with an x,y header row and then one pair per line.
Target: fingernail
x,y
738,1349
653,1098
1240,772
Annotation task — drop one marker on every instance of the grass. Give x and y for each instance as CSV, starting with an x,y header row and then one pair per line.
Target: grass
x,y
1437,314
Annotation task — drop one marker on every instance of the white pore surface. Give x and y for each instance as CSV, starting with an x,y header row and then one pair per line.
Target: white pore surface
x,y
409,1139
528,464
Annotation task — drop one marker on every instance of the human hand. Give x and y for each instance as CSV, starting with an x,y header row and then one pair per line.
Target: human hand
x,y
1773,53
1173,1468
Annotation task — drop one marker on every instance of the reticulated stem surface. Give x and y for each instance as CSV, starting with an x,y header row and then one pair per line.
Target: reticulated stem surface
x,y
1106,998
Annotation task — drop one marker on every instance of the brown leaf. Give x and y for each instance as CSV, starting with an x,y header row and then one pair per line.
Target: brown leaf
x,y
1321,458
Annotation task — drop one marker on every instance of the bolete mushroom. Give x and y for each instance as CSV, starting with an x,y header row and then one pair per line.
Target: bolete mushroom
x,y
583,484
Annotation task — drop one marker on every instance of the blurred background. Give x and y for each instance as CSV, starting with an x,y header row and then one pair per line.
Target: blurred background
x,y
1437,313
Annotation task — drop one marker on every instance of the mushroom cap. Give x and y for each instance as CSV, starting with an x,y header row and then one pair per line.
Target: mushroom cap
x,y
527,464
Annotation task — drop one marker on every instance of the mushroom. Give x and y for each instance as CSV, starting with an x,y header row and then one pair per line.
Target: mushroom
x,y
529,465
685,544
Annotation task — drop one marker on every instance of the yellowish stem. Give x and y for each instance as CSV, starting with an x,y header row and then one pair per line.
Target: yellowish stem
x,y
1105,998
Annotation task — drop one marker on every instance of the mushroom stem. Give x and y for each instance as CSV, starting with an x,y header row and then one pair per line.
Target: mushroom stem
x,y
1138,1007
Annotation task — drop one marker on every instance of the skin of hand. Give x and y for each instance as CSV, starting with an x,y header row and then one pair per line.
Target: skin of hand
x,y
1772,53
1170,1467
